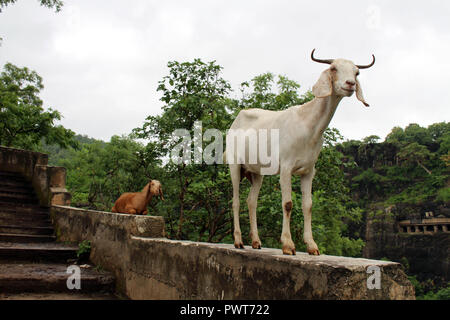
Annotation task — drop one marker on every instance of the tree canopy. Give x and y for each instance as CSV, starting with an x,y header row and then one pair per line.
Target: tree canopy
x,y
23,120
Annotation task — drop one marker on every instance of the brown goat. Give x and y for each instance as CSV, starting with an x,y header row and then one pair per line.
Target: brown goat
x,y
136,202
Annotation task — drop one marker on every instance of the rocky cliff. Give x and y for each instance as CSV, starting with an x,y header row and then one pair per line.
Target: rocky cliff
x,y
426,255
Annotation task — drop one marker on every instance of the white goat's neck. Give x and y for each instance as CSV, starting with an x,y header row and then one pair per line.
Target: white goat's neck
x,y
319,113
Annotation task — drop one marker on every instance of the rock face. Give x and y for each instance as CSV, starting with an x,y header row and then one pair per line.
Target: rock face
x,y
148,266
428,255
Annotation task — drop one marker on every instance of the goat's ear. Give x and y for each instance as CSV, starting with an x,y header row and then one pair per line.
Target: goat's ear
x,y
324,86
359,94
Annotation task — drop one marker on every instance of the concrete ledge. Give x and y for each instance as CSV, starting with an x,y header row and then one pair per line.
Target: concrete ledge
x,y
109,234
75,224
191,270
149,266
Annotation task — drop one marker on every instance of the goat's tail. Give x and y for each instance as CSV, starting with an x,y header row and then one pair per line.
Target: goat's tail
x,y
246,174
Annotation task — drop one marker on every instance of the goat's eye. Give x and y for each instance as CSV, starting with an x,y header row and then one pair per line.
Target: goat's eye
x,y
357,73
333,68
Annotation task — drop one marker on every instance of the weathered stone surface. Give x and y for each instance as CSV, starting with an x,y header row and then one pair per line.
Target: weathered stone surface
x,y
191,270
21,161
148,266
108,232
75,224
50,277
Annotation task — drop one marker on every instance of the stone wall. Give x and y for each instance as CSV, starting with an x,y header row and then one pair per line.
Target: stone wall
x,y
109,234
149,266
49,182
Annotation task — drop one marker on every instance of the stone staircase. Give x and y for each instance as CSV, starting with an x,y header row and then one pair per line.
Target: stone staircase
x,y
32,264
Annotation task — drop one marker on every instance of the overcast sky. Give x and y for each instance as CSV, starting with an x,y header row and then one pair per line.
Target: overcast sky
x,y
101,60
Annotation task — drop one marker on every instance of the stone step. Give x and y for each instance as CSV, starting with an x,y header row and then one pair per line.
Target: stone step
x,y
7,173
59,296
47,278
16,184
25,219
37,252
25,238
26,230
18,221
16,189
26,224
29,211
11,176
14,198
19,206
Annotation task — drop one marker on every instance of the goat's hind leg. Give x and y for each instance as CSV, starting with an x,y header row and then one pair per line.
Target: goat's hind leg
x,y
306,185
235,172
252,201
130,210
286,196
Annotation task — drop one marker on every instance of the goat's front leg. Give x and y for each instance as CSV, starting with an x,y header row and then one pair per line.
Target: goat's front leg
x,y
235,172
286,196
306,185
252,201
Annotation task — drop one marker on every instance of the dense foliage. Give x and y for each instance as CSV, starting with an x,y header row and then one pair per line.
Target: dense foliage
x,y
409,167
23,120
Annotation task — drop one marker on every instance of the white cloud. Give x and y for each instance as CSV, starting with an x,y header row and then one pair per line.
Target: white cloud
x,y
101,60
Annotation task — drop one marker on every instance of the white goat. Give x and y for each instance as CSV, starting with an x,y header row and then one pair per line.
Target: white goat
x,y
300,141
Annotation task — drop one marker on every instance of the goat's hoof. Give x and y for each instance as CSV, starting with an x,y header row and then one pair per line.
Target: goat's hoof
x,y
239,245
314,252
288,250
256,244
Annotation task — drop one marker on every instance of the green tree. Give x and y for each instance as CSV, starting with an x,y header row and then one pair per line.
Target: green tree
x,y
192,91
263,92
415,153
396,136
23,120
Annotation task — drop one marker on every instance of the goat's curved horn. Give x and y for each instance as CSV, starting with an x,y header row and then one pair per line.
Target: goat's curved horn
x,y
369,65
327,61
